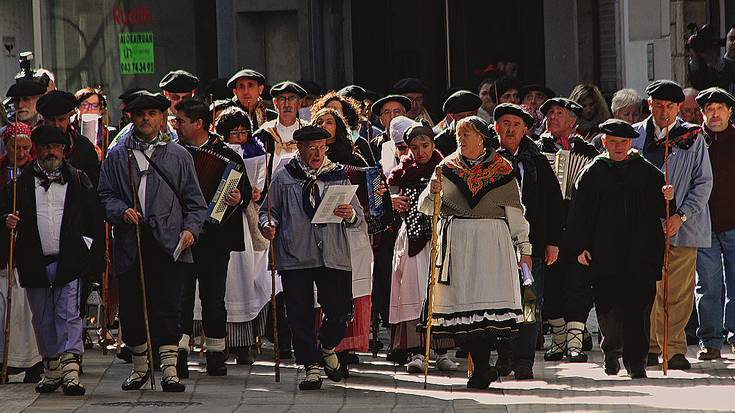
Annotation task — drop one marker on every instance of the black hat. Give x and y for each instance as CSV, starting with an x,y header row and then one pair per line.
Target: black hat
x,y
128,95
618,128
416,131
56,103
410,85
462,101
217,89
47,134
378,104
248,74
371,95
665,90
147,100
522,92
179,81
512,109
715,95
481,125
353,91
25,87
311,88
310,133
565,103
287,87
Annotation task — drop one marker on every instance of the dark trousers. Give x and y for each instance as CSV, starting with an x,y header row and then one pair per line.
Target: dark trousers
x,y
284,332
567,292
382,274
164,280
524,344
623,306
210,268
334,293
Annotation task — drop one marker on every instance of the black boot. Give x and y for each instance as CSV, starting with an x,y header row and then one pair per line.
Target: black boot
x,y
505,357
33,373
182,364
216,363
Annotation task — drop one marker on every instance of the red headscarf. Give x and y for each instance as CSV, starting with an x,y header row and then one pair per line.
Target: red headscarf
x,y
16,128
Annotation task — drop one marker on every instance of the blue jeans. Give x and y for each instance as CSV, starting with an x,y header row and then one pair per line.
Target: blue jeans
x,y
712,285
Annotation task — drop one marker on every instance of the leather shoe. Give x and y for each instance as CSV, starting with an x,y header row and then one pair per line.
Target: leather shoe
x,y
652,360
612,365
637,373
679,362
216,363
135,381
709,353
482,379
523,372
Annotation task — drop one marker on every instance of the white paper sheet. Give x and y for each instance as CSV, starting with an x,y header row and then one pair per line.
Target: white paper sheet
x,y
179,249
333,196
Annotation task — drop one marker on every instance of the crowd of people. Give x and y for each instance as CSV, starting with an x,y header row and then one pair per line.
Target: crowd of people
x,y
207,210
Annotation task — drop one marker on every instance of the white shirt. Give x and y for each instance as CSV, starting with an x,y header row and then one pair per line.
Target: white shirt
x,y
143,166
286,132
49,213
661,133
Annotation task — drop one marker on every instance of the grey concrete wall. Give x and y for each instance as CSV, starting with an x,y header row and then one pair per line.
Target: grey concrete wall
x,y
560,40
16,23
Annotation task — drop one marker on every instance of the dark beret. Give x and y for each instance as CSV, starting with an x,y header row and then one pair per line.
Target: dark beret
x,y
25,87
311,88
665,90
353,91
217,89
410,85
618,128
179,81
512,109
565,103
715,95
287,87
310,133
378,104
47,134
56,103
416,131
248,74
522,92
129,94
147,100
462,101
481,125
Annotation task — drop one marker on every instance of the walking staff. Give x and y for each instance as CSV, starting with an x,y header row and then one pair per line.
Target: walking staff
x,y
432,272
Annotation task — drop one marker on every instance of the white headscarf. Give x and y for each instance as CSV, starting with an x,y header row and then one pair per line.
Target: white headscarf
x,y
398,127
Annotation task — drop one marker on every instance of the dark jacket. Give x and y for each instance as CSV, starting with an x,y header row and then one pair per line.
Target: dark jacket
x,y
616,215
547,144
540,194
81,155
229,233
82,217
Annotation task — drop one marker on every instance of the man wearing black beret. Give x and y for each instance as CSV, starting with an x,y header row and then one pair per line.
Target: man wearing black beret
x,y
716,105
57,108
319,255
616,213
178,85
387,108
163,209
688,227
459,105
55,247
247,85
415,90
567,295
541,196
277,134
24,94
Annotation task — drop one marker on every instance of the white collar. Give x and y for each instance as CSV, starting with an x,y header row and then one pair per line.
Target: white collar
x,y
661,133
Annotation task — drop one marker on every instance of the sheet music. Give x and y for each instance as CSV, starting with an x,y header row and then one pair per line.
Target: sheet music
x,y
333,196
255,168
89,126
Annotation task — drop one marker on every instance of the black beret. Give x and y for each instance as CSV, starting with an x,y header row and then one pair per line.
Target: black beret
x,y
129,94
217,89
715,95
416,131
461,101
47,134
310,133
410,85
512,109
56,103
287,87
481,125
248,74
378,104
618,128
179,81
311,88
25,87
665,90
147,100
353,91
565,103
522,92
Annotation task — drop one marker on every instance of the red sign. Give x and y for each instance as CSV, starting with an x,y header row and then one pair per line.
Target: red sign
x,y
133,16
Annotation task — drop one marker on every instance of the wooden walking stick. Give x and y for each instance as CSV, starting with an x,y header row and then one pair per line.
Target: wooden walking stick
x,y
432,273
667,249
106,274
9,293
134,196
272,253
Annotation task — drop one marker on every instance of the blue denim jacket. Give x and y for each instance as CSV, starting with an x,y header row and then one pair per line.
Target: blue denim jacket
x,y
690,172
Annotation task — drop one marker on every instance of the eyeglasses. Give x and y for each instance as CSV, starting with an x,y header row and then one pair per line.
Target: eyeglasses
x,y
317,149
290,99
90,106
394,112
235,133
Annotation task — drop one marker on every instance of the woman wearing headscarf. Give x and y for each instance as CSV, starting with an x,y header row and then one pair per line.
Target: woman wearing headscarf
x,y
477,293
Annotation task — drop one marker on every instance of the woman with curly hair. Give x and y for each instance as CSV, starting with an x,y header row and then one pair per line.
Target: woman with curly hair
x,y
349,109
594,109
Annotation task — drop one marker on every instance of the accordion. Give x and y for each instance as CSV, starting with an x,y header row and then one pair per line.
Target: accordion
x,y
217,176
567,167
368,179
